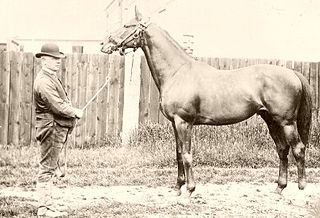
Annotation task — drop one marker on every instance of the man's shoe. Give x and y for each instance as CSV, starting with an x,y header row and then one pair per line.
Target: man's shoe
x,y
60,207
48,212
59,173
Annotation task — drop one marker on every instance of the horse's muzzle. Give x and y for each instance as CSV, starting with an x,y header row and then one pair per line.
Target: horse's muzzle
x,y
122,51
108,49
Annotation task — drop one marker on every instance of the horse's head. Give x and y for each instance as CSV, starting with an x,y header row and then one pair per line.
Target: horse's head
x,y
128,36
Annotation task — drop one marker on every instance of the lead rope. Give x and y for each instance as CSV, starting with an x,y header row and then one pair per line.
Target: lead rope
x,y
131,67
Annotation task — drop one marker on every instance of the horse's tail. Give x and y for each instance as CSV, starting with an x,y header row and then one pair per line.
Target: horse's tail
x,y
305,111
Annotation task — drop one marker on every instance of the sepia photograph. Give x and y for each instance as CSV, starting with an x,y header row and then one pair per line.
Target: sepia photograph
x,y
160,108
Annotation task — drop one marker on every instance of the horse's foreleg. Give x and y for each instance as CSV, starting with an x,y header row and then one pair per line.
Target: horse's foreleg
x,y
181,175
184,130
298,150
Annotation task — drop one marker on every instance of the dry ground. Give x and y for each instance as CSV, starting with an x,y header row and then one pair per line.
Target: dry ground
x,y
232,199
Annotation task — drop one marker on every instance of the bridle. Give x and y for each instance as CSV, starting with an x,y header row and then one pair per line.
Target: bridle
x,y
135,34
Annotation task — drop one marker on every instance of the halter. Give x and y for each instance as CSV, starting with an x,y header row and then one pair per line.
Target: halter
x,y
136,33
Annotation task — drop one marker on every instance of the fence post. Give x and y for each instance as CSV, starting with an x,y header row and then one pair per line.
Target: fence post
x,y
131,94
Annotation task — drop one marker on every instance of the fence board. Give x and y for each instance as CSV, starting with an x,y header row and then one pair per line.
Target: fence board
x,y
63,75
214,62
92,88
318,87
306,70
67,81
82,68
289,64
263,61
73,95
282,63
108,73
101,99
313,83
112,98
121,94
144,91
36,69
26,88
297,66
4,96
234,63
154,101
14,108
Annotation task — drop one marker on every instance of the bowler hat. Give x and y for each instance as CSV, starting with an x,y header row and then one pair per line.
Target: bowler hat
x,y
50,49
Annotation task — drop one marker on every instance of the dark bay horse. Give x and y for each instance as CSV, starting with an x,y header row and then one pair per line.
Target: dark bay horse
x,y
194,93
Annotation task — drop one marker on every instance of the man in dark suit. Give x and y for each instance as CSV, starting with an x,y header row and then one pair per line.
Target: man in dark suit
x,y
55,119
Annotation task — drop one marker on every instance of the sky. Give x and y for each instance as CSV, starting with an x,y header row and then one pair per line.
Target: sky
x,y
62,19
285,29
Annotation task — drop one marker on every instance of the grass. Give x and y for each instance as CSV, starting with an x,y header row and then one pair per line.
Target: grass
x,y
13,206
315,211
246,144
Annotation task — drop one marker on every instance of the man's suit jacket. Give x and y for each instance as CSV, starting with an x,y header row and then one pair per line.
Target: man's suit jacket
x,y
51,102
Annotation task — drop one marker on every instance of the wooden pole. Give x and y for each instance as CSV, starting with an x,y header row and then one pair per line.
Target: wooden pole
x,y
95,95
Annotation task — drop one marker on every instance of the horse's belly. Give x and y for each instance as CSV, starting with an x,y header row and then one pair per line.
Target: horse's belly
x,y
223,119
227,113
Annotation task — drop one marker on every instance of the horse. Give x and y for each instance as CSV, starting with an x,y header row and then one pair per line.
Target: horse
x,y
194,93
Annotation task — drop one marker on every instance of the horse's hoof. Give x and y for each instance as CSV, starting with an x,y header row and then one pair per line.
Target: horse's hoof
x,y
191,190
278,190
178,191
302,184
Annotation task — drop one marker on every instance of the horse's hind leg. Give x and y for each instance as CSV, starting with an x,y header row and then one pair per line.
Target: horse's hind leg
x,y
298,150
181,175
277,134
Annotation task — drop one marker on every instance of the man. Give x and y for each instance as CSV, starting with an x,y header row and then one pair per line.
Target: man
x,y
55,119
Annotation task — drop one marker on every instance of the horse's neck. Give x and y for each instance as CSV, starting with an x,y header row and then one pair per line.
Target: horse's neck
x,y
164,56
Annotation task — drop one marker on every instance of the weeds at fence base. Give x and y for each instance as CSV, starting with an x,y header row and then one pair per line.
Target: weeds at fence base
x,y
315,210
15,206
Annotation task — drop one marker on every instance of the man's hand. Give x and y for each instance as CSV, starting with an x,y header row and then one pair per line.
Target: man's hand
x,y
79,113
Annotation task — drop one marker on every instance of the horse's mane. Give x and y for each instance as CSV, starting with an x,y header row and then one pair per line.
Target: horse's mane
x,y
174,42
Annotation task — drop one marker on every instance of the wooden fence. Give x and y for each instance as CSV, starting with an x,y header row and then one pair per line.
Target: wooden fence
x,y
82,75
149,95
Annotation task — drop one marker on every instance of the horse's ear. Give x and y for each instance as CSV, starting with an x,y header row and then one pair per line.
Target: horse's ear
x,y
137,14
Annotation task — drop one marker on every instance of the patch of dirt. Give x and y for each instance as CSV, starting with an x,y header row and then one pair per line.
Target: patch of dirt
x,y
221,200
